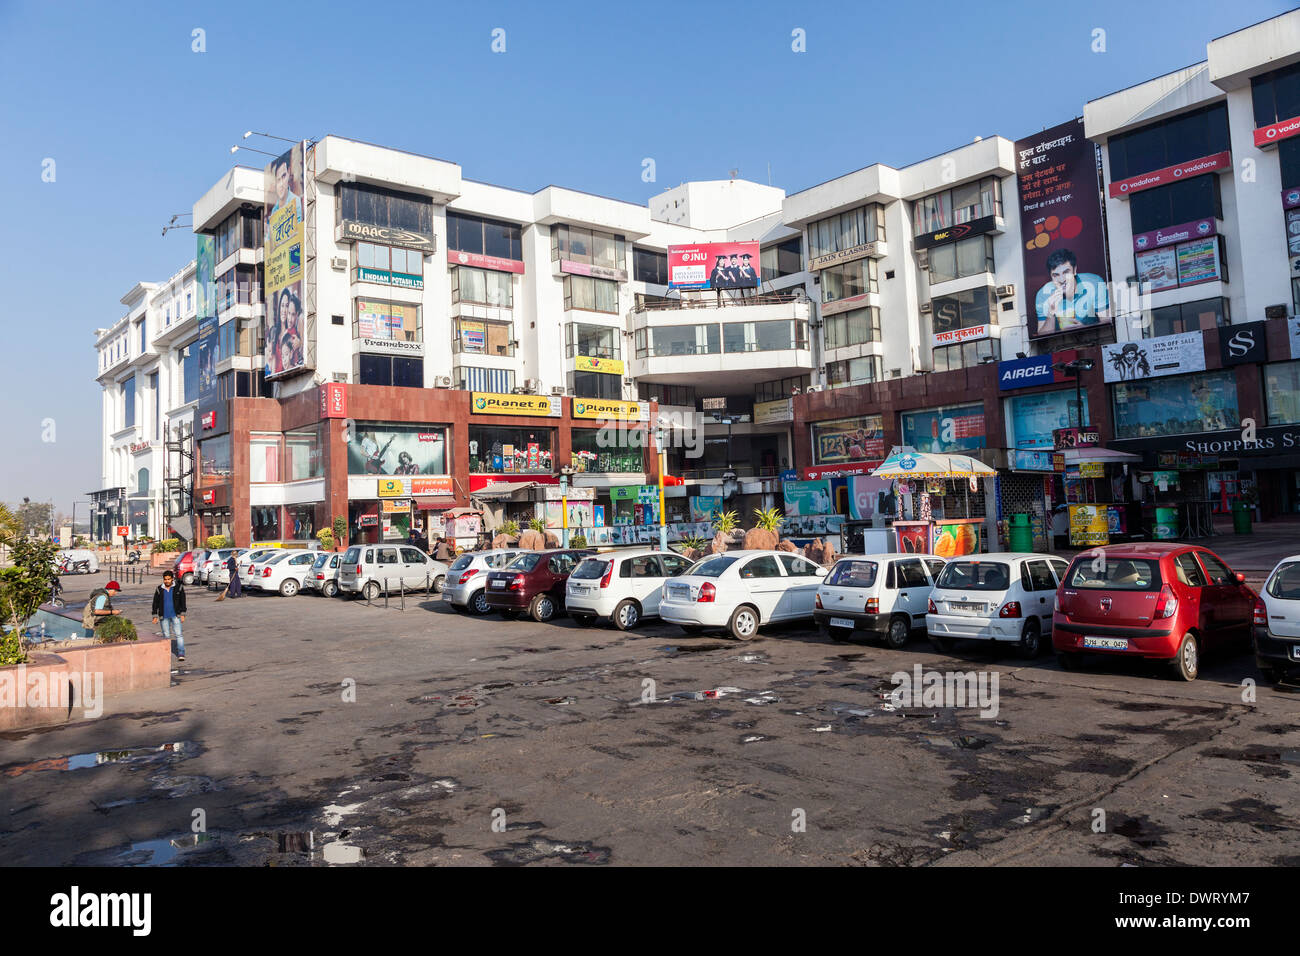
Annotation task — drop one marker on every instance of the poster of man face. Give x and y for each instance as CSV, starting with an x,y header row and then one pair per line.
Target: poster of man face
x,y
283,231
397,450
714,266
1060,222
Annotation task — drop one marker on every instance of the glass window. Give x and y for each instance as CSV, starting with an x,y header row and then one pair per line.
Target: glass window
x,y
495,450
855,371
958,205
266,523
855,327
381,206
764,336
975,576
910,574
797,567
967,355
1188,571
1180,404
591,294
128,402
649,266
680,340
957,260
264,458
1285,582
1119,574
853,574
764,567
591,246
594,341
1189,317
782,259
843,231
385,319
1288,157
962,310
591,569
1182,201
190,372
711,567
1282,393
483,286
390,370
595,385
1216,570
771,391
1040,576
1202,132
482,337
303,452
1276,95
849,279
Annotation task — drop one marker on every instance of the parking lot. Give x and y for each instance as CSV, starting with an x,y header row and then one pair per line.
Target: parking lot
x,y
310,730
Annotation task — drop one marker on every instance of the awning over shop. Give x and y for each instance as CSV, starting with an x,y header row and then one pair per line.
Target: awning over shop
x,y
182,526
1075,456
504,490
432,503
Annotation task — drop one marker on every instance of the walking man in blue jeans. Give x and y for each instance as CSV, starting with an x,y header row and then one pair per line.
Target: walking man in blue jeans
x,y
169,605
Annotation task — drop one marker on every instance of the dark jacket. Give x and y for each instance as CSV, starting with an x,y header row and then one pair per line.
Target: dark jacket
x,y
178,600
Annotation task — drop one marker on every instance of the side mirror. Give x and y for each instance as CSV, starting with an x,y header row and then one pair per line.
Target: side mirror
x,y
1241,578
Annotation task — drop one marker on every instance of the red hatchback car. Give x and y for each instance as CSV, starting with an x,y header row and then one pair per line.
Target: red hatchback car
x,y
1152,600
534,582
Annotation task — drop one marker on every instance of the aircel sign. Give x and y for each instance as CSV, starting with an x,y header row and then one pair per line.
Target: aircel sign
x,y
1026,372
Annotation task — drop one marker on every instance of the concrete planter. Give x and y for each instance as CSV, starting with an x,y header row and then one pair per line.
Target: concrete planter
x,y
50,688
163,559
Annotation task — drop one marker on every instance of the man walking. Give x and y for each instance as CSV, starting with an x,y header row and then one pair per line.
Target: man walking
x,y
169,605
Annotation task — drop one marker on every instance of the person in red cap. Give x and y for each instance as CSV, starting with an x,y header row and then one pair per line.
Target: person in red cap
x,y
99,606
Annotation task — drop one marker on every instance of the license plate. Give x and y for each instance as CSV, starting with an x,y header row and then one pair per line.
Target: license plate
x,y
1107,643
579,589
498,584
841,622
680,590
1295,652
965,608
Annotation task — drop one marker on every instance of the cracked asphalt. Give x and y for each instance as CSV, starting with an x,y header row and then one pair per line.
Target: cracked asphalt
x,y
478,741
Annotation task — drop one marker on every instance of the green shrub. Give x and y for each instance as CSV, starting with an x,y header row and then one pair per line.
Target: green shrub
x,y
769,520
538,524
167,545
578,541
115,629
26,585
340,528
11,648
726,522
216,541
326,538
510,529
693,543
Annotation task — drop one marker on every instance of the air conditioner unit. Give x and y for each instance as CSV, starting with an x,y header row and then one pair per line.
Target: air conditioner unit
x,y
925,308
339,262
557,390
1005,291
341,378
895,373
923,258
442,381
627,381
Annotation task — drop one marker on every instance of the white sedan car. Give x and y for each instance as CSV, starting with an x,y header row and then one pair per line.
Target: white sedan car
x,y
741,590
624,586
996,597
283,572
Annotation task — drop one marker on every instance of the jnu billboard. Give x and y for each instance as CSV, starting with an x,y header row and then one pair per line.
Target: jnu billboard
x,y
714,266
283,231
1060,223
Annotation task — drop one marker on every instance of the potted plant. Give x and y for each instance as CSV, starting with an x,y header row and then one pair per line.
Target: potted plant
x,y
340,531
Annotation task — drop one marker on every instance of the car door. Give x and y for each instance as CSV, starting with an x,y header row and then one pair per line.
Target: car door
x,y
912,590
299,565
1192,592
765,584
645,578
1041,596
388,568
801,591
555,575
673,565
415,569
1231,600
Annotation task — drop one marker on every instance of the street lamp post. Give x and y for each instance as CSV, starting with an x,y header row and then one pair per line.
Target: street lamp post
x,y
565,472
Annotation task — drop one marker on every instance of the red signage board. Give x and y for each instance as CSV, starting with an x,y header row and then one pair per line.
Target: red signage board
x,y
1268,135
477,260
432,486
839,471
714,266
334,400
1170,174
209,420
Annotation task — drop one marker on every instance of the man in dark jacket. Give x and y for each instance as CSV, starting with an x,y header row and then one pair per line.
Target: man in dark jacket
x,y
169,605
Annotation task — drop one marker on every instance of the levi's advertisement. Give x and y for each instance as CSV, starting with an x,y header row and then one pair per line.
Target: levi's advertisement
x,y
397,450
714,266
1065,262
283,237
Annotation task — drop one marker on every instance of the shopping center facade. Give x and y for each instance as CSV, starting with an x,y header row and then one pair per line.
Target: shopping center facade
x,y
367,334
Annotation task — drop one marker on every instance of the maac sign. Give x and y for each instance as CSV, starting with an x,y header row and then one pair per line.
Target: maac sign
x,y
1239,344
351,231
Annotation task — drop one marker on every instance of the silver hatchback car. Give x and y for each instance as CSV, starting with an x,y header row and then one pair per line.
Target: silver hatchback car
x,y
467,577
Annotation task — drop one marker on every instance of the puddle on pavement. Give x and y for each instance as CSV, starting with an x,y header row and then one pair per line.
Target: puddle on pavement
x,y
693,648
135,756
539,849
165,851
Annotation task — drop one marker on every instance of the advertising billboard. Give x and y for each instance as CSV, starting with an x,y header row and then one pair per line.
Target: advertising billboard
x,y
714,266
1150,358
282,221
397,450
1032,419
1060,221
849,439
944,429
207,345
807,497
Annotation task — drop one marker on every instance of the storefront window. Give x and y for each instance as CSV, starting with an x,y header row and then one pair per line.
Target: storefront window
x,y
266,523
510,450
1177,405
303,452
302,522
943,429
380,449
1282,393
595,385
215,461
1031,419
588,456
264,458
848,439
215,521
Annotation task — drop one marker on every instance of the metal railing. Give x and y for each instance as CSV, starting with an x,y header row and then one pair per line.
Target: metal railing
x,y
714,299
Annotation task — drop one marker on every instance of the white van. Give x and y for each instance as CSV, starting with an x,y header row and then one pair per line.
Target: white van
x,y
880,595
370,570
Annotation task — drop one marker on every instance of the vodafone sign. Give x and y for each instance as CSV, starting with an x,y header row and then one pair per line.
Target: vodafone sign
x,y
1267,135
1170,174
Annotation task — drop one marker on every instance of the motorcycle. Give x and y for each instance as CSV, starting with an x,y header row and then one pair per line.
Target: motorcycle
x,y
56,592
133,557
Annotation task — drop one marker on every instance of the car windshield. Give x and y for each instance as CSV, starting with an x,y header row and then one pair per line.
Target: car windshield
x,y
461,563
975,576
1108,573
277,558
525,562
590,569
711,567
352,555
853,574
320,560
1285,582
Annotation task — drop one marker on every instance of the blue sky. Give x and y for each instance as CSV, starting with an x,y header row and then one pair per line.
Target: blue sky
x,y
140,126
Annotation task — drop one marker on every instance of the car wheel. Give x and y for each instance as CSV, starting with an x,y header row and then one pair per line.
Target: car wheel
x,y
439,583
744,623
627,615
542,608
478,603
187,579
1031,639
329,589
1069,660
898,633
371,591
832,633
941,643
288,588
1187,662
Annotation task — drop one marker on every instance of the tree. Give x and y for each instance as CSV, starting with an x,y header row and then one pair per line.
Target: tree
x,y
24,587
34,517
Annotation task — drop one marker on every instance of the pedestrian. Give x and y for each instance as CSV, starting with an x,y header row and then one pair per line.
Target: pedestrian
x,y
99,607
236,587
442,552
169,605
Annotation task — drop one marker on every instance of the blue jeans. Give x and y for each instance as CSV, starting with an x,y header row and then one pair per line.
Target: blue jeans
x,y
171,628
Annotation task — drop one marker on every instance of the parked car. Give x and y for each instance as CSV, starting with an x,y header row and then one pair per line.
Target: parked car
x,y
884,595
219,576
740,591
373,569
534,582
1006,597
1159,601
283,571
187,564
1277,621
211,561
245,561
324,574
623,586
467,578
